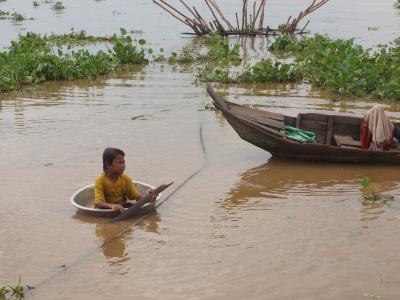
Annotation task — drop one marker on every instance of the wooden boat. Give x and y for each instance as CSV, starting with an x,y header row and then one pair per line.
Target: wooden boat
x,y
83,200
338,136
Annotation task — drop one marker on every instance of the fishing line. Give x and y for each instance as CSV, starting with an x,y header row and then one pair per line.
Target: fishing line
x,y
119,234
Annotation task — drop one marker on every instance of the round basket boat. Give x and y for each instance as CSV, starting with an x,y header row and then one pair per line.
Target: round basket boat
x,y
83,200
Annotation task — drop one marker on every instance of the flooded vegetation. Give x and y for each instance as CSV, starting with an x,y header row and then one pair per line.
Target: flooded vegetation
x,y
12,292
237,223
13,16
32,59
58,5
344,67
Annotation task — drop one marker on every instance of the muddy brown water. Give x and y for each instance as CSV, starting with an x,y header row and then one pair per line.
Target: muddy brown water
x,y
247,226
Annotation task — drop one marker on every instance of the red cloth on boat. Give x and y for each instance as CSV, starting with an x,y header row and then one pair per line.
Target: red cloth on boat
x,y
366,135
376,129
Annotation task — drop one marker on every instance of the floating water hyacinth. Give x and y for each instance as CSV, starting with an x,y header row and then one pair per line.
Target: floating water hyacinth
x,y
370,197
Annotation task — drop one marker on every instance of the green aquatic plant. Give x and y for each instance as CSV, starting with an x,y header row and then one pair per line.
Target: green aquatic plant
x,y
370,196
4,14
286,43
345,67
12,292
219,59
271,71
223,95
211,73
186,56
159,57
215,55
78,37
219,50
58,6
34,59
15,16
127,50
397,4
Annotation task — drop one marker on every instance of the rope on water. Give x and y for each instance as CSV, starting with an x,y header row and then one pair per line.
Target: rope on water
x,y
205,161
106,242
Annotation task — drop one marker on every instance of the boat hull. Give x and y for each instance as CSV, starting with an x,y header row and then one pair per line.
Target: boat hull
x,y
286,149
266,131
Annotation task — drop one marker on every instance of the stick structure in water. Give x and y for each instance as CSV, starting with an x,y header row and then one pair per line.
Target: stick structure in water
x,y
252,19
131,211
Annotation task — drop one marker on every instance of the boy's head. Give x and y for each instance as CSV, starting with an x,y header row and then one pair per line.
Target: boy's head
x,y
113,158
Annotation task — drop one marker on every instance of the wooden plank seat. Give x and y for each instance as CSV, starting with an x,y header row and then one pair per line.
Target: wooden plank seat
x,y
345,141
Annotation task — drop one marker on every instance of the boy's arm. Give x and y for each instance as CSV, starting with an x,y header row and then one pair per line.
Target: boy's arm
x,y
133,193
99,198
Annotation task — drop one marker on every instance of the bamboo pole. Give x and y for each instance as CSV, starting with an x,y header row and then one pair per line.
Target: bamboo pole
x,y
184,22
198,19
201,19
245,15
262,15
311,8
215,17
258,12
254,16
302,31
212,26
174,9
248,23
215,5
244,1
188,8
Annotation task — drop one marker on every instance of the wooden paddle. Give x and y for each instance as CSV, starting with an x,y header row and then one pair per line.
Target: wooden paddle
x,y
145,199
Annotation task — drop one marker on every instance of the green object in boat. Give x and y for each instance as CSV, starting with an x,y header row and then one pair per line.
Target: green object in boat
x,y
299,135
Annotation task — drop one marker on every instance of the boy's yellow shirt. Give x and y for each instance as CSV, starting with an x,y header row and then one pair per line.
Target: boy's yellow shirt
x,y
117,192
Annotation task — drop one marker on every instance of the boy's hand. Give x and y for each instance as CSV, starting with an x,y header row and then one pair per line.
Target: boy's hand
x,y
117,207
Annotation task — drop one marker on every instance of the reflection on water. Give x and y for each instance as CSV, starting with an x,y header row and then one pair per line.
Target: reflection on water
x,y
279,182
278,178
116,236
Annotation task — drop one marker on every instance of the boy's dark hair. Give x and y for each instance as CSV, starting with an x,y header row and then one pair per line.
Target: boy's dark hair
x,y
109,155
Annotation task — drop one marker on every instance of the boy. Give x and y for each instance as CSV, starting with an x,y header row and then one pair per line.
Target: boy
x,y
113,188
